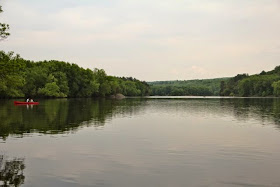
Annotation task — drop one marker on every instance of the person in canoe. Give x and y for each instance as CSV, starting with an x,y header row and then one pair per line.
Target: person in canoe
x,y
31,100
27,100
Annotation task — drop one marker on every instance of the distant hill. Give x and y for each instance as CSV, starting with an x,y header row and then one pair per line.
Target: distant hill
x,y
263,84
258,85
197,87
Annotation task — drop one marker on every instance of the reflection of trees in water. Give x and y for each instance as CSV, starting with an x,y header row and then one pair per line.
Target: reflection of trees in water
x,y
11,171
261,109
61,115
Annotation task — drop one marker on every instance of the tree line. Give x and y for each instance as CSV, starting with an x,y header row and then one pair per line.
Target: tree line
x,y
263,84
25,78
206,87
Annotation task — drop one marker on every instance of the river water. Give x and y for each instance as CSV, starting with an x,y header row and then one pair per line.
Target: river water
x,y
137,142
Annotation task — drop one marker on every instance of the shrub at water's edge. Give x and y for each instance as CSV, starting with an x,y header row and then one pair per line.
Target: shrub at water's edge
x,y
25,78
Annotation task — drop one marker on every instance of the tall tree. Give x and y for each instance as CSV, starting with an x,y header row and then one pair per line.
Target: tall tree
x,y
3,28
276,88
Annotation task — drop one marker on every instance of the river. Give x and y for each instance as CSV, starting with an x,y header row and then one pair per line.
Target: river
x,y
136,142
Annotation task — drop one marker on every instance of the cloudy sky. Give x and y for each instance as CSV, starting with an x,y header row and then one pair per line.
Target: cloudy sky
x,y
148,39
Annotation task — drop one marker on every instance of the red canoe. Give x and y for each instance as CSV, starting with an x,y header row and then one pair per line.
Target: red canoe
x,y
25,103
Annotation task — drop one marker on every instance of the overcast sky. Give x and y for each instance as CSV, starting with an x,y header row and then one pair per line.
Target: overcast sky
x,y
148,39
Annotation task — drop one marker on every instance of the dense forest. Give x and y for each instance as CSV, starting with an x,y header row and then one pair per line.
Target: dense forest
x,y
206,87
260,85
25,78
263,84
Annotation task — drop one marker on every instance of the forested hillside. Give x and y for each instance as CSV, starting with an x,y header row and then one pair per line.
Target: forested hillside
x,y
204,87
263,84
25,78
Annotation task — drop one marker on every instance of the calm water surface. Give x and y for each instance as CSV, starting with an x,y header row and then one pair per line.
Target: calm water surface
x,y
147,142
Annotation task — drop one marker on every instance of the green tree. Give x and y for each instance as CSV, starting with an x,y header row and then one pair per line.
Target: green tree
x,y
222,86
11,75
24,78
4,28
61,80
245,87
276,88
50,90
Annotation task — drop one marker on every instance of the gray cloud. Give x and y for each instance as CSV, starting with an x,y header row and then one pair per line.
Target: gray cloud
x,y
150,40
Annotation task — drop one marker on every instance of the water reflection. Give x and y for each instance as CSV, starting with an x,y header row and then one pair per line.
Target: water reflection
x,y
60,115
63,115
29,106
262,109
11,171
148,142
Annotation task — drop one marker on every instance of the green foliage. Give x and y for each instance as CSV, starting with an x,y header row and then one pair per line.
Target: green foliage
x,y
191,87
11,75
61,80
230,87
51,89
23,78
4,28
276,88
35,78
263,84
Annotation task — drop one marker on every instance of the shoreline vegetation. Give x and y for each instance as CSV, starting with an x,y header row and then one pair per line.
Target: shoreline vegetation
x,y
204,87
265,84
20,78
